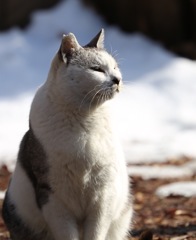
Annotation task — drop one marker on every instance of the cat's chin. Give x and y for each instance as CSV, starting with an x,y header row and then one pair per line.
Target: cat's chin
x,y
109,93
100,99
114,90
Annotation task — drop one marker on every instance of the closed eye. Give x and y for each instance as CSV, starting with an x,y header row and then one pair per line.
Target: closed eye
x,y
97,69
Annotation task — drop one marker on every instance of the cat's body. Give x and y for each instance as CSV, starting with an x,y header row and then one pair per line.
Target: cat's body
x,y
70,181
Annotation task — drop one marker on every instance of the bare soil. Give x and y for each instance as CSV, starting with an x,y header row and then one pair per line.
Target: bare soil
x,y
171,218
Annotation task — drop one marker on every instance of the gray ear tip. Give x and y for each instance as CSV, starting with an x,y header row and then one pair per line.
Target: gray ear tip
x,y
69,43
101,32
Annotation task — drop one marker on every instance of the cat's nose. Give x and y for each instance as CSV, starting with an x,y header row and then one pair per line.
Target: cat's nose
x,y
116,80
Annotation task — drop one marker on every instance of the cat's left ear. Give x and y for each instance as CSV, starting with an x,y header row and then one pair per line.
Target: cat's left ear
x,y
97,41
69,44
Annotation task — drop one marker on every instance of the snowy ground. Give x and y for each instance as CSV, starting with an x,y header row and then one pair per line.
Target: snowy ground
x,y
156,109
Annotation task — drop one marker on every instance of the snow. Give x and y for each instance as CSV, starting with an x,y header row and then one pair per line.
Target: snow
x,y
153,172
164,171
155,111
12,127
2,194
186,189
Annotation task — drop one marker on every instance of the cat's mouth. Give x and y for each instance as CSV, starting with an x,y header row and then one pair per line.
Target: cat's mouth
x,y
108,92
116,88
97,96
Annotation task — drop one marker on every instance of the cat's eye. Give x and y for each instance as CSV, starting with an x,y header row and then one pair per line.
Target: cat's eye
x,y
97,69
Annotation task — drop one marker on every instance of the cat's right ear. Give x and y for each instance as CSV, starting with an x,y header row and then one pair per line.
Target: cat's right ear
x,y
69,44
97,41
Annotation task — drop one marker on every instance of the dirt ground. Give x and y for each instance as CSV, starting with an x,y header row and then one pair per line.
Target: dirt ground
x,y
171,218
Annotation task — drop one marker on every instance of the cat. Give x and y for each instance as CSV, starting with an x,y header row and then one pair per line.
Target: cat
x,y
70,181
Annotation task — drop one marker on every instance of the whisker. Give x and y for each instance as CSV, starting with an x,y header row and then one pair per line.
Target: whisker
x,y
112,51
104,92
99,100
105,96
108,93
102,96
94,97
87,95
115,54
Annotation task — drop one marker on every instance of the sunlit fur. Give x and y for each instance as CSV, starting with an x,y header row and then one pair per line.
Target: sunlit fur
x,y
70,117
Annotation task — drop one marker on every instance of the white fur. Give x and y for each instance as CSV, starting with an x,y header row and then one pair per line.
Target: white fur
x,y
24,198
87,173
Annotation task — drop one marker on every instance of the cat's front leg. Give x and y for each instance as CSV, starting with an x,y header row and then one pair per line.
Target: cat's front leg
x,y
97,225
60,222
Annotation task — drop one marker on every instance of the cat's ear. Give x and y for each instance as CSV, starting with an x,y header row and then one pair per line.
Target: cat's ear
x,y
97,41
69,44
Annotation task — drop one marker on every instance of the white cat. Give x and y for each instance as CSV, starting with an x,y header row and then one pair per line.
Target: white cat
x,y
70,181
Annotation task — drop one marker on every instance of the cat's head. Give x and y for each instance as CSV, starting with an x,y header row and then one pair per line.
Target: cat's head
x,y
86,75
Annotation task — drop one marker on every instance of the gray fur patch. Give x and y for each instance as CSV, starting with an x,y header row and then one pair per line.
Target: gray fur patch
x,y
32,158
18,229
85,57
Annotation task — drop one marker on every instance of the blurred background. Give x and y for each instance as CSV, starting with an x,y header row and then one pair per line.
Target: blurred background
x,y
155,45
170,22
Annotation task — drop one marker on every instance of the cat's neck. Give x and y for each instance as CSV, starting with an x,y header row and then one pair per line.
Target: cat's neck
x,y
47,110
58,125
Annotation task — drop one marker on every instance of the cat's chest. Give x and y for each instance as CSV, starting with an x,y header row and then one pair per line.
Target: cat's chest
x,y
82,160
75,149
79,171
76,184
81,154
